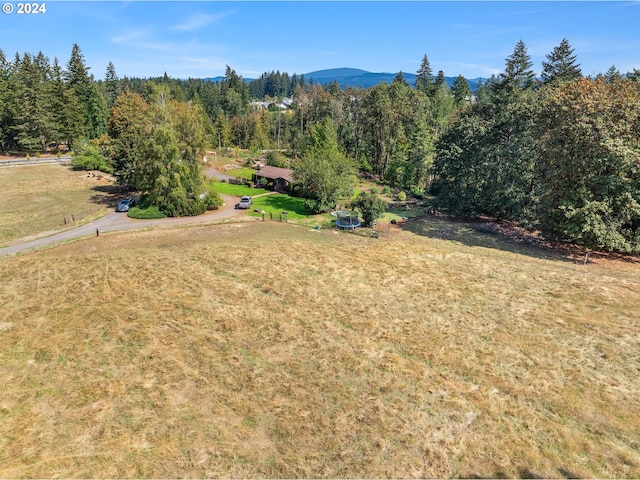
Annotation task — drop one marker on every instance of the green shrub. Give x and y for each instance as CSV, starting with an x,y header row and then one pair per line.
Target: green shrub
x,y
274,159
212,199
87,157
147,213
386,190
401,196
417,192
374,190
370,206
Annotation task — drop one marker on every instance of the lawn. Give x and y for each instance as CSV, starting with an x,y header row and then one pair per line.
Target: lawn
x,y
238,190
245,173
39,198
272,350
276,203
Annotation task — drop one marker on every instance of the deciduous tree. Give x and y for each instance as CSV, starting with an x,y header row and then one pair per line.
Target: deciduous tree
x,y
589,171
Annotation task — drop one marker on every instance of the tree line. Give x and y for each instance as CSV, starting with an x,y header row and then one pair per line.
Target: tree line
x,y
561,155
557,152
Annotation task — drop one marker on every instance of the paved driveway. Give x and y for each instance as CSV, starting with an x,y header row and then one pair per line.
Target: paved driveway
x,y
115,221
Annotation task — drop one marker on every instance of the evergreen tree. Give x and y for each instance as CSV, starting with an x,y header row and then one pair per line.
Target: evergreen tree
x,y
234,93
128,122
7,102
65,108
34,125
561,66
400,78
379,128
461,90
634,76
485,161
442,107
612,74
93,104
518,71
111,85
424,77
420,153
324,174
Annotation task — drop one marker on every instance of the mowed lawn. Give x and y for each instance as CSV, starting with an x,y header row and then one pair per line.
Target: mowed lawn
x,y
37,199
266,349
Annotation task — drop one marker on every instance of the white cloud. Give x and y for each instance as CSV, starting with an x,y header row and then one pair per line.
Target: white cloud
x,y
198,21
129,36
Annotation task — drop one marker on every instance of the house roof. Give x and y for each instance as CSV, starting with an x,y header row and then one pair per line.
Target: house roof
x,y
273,173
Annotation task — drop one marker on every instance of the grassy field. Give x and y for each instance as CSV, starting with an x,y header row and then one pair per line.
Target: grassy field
x,y
272,350
37,199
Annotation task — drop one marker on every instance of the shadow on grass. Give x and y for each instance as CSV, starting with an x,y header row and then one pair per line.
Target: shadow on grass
x,y
522,473
109,195
487,234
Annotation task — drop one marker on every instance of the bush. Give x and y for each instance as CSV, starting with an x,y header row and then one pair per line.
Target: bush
x,y
401,196
417,192
274,159
374,190
386,190
371,207
88,157
147,213
212,199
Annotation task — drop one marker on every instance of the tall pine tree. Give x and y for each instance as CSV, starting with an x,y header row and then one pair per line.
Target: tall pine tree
x,y
424,77
111,85
561,65
518,71
91,101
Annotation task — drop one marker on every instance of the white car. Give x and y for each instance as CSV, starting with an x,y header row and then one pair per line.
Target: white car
x,y
245,203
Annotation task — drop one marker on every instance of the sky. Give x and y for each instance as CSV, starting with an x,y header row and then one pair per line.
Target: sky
x,y
199,39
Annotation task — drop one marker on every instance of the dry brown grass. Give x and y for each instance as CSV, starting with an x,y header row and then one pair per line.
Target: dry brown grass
x,y
270,350
36,199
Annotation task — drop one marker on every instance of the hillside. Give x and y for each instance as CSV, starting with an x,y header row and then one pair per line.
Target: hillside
x,y
353,77
270,350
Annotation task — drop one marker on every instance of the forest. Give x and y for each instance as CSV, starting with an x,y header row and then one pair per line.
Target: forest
x,y
558,152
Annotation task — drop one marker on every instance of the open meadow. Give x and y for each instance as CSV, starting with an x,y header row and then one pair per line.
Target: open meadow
x,y
37,199
266,349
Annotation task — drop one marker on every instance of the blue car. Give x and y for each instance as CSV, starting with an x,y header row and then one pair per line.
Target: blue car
x,y
125,204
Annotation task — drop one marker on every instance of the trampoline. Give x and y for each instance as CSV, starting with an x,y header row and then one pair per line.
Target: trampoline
x,y
347,219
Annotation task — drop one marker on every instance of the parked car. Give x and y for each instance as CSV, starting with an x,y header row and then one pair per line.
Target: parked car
x,y
245,202
125,204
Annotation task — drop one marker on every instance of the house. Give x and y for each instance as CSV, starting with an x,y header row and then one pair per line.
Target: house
x,y
282,178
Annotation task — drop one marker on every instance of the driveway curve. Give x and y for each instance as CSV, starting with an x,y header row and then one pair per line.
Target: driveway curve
x,y
115,221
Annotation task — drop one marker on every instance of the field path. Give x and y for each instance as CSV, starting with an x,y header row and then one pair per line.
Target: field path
x,y
115,221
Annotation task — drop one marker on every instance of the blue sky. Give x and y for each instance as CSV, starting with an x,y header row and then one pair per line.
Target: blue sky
x,y
198,39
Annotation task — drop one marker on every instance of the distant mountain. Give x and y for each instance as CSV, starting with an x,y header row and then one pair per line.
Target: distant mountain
x,y
354,77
